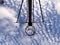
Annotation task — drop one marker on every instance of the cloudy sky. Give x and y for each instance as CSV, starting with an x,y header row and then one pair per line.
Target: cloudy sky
x,y
47,33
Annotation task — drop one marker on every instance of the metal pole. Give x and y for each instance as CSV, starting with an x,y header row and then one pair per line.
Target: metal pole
x,y
30,12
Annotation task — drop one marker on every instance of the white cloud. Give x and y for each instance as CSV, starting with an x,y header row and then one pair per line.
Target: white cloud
x,y
8,14
57,5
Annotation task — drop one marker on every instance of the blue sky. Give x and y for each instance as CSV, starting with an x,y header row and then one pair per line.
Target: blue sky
x,y
47,33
